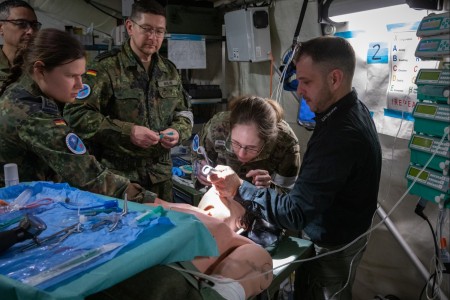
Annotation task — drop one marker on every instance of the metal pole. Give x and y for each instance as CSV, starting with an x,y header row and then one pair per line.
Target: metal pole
x,y
423,271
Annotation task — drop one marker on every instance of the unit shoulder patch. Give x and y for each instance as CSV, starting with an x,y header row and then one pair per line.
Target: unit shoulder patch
x,y
84,92
75,144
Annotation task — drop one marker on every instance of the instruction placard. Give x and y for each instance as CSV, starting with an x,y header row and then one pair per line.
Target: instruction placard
x,y
187,51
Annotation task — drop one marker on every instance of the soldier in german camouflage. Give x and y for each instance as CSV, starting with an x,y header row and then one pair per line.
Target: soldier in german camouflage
x,y
33,133
132,95
18,23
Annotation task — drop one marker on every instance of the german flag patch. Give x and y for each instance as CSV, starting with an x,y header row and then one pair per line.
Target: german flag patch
x,y
91,72
59,122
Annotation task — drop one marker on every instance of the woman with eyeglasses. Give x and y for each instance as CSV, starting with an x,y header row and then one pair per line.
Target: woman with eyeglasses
x,y
254,140
18,22
33,133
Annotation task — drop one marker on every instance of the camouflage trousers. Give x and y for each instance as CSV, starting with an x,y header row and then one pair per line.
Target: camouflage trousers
x,y
163,190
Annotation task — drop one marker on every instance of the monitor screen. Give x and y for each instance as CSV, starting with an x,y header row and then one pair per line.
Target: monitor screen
x,y
426,109
429,75
422,142
414,172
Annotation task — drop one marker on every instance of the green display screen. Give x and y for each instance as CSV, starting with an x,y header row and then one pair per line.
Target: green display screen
x,y
426,109
421,141
429,75
414,172
432,23
429,45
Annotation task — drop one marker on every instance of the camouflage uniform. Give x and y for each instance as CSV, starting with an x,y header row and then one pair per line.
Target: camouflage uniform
x,y
281,158
4,68
122,95
33,135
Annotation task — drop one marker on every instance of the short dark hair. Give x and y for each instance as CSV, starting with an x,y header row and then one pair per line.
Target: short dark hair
x,y
146,7
330,52
5,7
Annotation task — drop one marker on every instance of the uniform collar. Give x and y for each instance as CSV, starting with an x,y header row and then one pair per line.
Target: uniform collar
x,y
30,85
133,60
337,107
4,63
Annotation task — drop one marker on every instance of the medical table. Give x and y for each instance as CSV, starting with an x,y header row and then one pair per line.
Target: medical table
x,y
184,241
187,239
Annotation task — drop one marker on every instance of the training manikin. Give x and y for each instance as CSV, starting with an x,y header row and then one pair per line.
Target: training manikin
x,y
239,256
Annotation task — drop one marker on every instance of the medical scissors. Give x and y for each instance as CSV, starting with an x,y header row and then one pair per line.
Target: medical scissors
x,y
65,232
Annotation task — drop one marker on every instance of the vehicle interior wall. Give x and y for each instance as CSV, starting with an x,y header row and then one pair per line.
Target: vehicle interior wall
x,y
385,268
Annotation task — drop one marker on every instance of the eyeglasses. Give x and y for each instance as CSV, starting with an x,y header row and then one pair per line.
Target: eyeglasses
x,y
25,24
150,31
231,145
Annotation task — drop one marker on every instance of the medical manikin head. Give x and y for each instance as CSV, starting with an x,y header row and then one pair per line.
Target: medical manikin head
x,y
226,210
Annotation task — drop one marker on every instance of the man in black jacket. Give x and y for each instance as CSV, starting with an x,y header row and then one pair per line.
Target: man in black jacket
x,y
335,195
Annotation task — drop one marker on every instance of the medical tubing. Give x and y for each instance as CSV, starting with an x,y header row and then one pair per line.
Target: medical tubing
x,y
70,264
21,200
107,204
228,280
87,218
439,264
419,211
388,190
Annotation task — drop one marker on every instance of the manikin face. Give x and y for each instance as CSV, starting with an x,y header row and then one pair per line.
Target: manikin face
x,y
313,85
15,33
145,34
63,82
226,210
245,142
